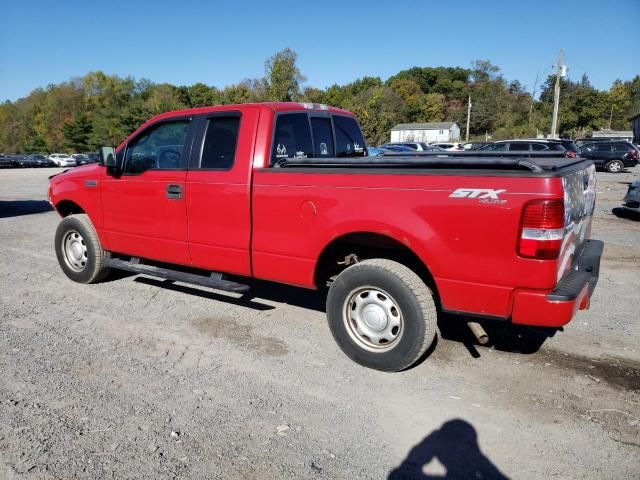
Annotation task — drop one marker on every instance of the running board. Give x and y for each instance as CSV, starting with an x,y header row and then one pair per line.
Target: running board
x,y
214,281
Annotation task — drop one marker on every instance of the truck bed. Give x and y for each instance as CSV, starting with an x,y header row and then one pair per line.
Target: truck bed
x,y
526,162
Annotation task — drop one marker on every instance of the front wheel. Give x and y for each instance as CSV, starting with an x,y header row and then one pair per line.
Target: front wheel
x,y
615,166
78,249
381,314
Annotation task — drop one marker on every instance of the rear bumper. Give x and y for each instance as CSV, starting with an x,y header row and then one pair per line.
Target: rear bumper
x,y
557,307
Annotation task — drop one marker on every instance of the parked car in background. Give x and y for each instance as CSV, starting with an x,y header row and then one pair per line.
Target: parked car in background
x,y
632,198
81,159
451,147
581,141
41,160
92,156
397,148
473,145
375,151
612,156
419,146
23,161
433,148
533,145
6,161
62,160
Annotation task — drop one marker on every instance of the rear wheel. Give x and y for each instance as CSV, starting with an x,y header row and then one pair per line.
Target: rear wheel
x,y
614,166
381,314
78,249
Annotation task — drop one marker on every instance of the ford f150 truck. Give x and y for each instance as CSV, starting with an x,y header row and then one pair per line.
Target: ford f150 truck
x,y
286,192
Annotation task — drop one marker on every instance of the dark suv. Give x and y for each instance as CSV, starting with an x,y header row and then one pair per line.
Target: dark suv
x,y
533,145
612,156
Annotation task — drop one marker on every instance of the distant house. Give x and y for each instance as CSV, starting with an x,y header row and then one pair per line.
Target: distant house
x,y
426,132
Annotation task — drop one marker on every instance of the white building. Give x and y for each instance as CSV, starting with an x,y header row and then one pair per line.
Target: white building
x,y
426,132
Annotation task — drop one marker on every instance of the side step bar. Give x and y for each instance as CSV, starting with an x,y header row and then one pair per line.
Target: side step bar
x,y
214,281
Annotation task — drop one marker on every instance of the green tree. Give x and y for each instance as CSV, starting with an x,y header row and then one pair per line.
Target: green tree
x,y
433,107
283,80
77,133
201,95
102,109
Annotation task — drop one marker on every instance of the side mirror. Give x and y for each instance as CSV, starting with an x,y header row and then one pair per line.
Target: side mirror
x,y
107,156
108,159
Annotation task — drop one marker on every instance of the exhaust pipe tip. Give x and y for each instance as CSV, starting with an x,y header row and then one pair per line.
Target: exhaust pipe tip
x,y
478,332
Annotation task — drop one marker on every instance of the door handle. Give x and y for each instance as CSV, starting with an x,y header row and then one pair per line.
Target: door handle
x,y
174,191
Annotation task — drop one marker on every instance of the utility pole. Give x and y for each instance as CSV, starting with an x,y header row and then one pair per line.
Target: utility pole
x,y
610,117
560,70
533,97
468,118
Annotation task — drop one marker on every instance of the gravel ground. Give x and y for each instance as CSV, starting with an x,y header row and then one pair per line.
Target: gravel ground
x,y
139,378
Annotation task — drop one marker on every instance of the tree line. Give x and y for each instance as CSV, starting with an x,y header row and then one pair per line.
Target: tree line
x,y
100,109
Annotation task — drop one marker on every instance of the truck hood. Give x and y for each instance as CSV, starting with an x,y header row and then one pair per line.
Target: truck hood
x,y
89,170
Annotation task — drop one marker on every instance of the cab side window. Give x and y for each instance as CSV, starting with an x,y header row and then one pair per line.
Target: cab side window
x,y
292,138
220,140
349,141
519,147
160,147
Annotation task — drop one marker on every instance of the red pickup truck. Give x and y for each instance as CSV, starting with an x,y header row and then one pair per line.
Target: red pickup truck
x,y
286,192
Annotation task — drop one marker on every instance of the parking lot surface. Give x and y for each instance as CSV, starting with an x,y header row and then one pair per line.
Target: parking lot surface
x,y
140,378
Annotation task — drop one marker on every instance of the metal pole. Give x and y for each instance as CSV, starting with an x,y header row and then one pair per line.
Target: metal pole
x,y
610,117
468,118
556,98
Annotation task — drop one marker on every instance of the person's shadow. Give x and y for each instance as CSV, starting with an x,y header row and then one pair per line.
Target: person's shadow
x,y
455,446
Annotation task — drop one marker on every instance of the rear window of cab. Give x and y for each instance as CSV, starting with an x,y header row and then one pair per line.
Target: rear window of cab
x,y
305,135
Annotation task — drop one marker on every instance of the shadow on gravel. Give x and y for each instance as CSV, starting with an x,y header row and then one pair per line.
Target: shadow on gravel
x,y
17,208
243,301
455,447
626,214
503,336
299,297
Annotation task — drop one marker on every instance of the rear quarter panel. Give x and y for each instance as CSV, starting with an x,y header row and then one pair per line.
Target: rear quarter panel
x,y
469,246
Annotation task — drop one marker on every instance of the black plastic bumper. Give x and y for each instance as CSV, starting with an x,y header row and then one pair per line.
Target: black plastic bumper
x,y
586,272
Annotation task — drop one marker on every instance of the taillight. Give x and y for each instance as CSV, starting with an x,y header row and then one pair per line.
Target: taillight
x,y
541,229
571,154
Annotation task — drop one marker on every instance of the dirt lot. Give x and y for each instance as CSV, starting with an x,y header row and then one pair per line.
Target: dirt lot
x,y
138,378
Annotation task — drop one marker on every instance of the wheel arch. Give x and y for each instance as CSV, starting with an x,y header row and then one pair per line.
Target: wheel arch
x,y
367,245
68,207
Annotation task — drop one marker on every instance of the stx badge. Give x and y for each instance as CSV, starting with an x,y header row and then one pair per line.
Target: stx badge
x,y
485,195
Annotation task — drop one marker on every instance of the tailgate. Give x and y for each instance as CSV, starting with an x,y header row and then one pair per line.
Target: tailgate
x,y
579,203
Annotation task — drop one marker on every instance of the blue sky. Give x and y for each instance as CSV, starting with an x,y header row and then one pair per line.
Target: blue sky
x,y
222,42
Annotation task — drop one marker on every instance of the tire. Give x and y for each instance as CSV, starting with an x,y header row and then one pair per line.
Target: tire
x,y
381,315
78,249
614,166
